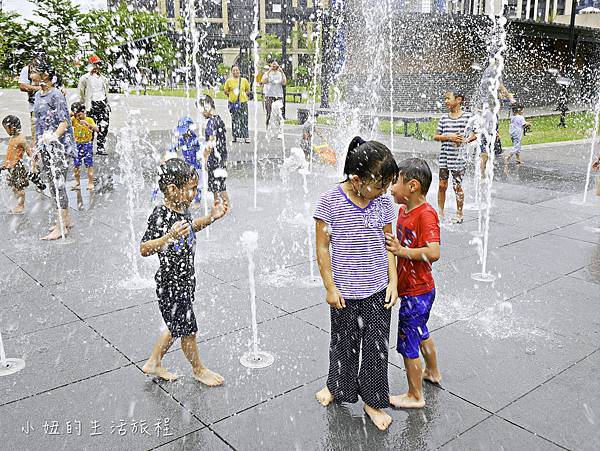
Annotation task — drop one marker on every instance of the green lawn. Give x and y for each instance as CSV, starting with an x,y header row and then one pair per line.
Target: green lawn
x,y
544,129
180,92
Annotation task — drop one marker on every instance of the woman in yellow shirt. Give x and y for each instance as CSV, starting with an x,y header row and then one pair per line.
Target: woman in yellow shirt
x,y
236,89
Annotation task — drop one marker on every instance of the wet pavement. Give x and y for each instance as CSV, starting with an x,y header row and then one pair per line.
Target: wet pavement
x,y
520,357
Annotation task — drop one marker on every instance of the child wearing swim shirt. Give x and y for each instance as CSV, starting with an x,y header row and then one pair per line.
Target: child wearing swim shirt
x,y
360,278
417,246
83,129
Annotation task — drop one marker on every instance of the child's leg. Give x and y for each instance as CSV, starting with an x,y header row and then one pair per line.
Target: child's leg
x,y
373,377
225,197
201,373
154,364
431,372
484,160
20,195
460,194
518,158
344,349
77,176
90,171
413,398
443,186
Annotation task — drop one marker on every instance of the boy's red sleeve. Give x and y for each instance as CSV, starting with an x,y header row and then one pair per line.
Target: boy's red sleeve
x,y
430,227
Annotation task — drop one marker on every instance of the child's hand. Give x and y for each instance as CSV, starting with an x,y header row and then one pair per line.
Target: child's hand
x,y
334,298
219,210
456,138
392,244
180,229
391,296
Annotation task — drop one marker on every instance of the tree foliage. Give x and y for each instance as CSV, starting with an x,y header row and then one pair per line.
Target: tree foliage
x,y
134,45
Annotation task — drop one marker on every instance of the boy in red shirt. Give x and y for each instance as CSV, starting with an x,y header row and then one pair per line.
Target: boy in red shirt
x,y
417,246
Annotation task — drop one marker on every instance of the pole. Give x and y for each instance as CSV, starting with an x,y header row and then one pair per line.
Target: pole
x,y
569,63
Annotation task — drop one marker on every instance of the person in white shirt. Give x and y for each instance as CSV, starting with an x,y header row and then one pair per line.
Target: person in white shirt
x,y
273,82
93,93
29,82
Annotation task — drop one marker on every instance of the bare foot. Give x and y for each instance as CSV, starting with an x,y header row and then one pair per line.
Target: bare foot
x,y
407,402
19,209
324,396
208,377
90,187
431,377
379,418
159,372
457,219
54,234
75,188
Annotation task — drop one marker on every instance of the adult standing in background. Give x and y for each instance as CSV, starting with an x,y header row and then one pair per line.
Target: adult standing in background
x,y
93,93
273,80
29,82
236,89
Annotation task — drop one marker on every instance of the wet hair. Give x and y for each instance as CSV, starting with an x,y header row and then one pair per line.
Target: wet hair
x,y
208,100
370,160
416,169
12,122
457,93
43,66
176,172
517,108
77,107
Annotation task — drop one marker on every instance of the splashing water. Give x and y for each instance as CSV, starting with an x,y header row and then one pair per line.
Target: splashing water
x,y
493,74
255,358
253,37
592,148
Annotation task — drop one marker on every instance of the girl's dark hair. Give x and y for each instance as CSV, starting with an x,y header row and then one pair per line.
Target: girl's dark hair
x,y
12,121
370,160
176,172
43,66
78,107
208,100
416,169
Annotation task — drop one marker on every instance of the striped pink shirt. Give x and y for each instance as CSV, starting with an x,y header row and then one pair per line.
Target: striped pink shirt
x,y
358,255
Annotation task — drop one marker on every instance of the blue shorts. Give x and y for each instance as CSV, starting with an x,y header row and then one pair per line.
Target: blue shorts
x,y
412,323
85,152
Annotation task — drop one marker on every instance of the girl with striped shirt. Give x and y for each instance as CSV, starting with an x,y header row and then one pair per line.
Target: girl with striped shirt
x,y
360,277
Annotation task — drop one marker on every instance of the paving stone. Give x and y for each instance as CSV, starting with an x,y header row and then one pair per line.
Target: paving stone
x,y
308,425
496,433
560,410
495,357
300,352
113,405
588,230
221,310
55,357
202,439
29,311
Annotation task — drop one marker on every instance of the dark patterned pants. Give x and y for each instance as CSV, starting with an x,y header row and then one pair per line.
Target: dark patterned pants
x,y
100,112
362,323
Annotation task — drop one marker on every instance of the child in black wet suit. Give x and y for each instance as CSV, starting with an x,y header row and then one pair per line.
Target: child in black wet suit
x,y
171,234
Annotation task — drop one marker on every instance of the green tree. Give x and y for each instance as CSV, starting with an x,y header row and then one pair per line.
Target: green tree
x,y
133,43
269,48
56,31
15,48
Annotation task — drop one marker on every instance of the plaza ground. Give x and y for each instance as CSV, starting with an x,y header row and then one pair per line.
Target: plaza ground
x,y
519,357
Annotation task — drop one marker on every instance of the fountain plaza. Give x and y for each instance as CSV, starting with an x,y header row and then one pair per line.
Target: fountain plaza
x,y
519,356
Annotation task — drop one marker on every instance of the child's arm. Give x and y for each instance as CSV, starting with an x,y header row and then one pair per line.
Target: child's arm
x,y
391,292
210,145
217,212
178,230
91,126
26,148
334,297
454,137
429,253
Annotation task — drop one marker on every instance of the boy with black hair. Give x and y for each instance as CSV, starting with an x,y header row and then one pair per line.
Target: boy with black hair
x,y
84,128
416,246
13,162
171,234
453,134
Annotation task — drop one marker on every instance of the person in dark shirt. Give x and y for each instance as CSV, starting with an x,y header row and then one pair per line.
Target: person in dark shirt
x,y
171,234
215,152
